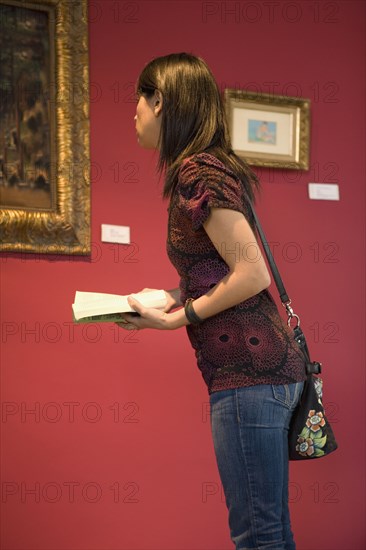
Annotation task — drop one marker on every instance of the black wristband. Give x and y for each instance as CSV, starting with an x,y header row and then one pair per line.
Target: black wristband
x,y
190,313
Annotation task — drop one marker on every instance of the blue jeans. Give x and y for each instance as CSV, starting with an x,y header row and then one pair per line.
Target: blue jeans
x,y
250,429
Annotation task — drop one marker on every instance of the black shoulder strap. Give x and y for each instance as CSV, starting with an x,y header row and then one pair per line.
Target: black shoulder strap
x,y
310,367
272,264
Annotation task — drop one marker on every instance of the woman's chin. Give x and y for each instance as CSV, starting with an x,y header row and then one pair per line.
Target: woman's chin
x,y
145,145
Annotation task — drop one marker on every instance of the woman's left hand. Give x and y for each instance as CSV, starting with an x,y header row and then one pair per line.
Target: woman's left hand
x,y
148,317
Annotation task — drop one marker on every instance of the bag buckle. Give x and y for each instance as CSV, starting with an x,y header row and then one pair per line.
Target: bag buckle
x,y
291,314
313,368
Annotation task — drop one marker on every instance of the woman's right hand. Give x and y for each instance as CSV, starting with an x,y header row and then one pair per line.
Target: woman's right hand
x,y
172,296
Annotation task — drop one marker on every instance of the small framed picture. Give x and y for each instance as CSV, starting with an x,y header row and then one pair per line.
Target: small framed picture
x,y
268,130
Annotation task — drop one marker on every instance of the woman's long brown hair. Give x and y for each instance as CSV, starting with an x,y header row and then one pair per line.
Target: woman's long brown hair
x,y
193,117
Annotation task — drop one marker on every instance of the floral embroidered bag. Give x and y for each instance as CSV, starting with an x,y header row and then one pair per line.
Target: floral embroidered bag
x,y
310,434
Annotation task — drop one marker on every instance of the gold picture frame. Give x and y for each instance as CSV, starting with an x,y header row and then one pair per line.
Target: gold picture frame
x,y
44,144
269,130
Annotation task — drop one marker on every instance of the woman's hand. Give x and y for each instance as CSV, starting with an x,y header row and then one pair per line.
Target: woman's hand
x,y
172,298
147,318
155,318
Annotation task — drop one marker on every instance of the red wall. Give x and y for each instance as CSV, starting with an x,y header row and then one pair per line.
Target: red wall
x,y
106,439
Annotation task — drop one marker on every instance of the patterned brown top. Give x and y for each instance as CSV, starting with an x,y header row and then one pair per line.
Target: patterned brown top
x,y
246,344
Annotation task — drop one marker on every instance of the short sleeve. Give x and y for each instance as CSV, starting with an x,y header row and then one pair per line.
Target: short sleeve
x,y
205,183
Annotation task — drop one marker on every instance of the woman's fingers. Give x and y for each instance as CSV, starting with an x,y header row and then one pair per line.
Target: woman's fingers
x,y
136,306
128,321
127,326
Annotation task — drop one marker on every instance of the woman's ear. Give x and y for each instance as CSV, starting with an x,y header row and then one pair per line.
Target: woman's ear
x,y
158,102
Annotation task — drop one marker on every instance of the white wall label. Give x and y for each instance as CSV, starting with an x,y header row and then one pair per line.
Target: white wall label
x,y
115,234
324,191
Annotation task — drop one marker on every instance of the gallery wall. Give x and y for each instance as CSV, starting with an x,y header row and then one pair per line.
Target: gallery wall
x,y
105,434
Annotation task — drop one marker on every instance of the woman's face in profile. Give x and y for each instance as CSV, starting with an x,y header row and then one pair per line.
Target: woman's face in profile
x,y
148,121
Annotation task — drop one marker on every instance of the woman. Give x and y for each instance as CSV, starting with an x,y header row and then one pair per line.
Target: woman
x,y
248,359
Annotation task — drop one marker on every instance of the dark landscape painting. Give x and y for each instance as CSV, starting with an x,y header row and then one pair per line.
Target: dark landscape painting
x,y
25,108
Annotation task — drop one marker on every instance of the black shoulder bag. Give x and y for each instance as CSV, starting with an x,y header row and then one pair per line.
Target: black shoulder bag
x,y
310,434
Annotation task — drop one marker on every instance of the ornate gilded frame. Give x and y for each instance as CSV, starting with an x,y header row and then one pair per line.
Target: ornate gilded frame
x,y
65,227
293,115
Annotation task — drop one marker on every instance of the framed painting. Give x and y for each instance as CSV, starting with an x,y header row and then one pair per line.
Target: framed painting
x,y
269,130
44,127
